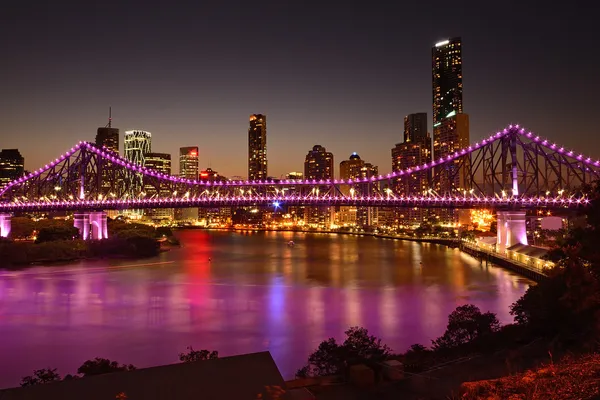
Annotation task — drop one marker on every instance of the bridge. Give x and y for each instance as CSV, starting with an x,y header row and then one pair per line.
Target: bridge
x,y
510,171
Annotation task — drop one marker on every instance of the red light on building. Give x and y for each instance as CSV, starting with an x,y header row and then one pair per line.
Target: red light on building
x,y
193,153
204,174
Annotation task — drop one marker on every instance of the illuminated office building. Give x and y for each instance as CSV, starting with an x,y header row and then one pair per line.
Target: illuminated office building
x,y
12,166
257,147
160,162
318,165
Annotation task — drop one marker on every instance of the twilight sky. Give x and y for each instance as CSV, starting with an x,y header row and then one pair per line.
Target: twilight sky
x,y
339,74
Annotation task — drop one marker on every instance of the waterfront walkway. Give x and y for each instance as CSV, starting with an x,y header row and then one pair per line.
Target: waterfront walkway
x,y
530,271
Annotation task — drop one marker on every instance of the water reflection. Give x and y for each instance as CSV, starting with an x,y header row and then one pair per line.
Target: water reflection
x,y
239,293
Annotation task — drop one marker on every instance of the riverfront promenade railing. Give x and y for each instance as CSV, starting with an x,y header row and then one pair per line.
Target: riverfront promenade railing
x,y
502,257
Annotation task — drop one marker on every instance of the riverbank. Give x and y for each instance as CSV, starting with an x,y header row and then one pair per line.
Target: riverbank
x,y
22,253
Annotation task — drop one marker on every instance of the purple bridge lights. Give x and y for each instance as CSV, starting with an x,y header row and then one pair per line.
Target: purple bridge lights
x,y
510,171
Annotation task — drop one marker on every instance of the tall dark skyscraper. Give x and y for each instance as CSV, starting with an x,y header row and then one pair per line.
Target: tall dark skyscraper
x,y
318,164
450,124
108,136
447,79
257,147
415,128
11,166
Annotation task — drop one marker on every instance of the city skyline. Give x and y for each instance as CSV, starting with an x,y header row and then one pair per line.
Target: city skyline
x,y
331,88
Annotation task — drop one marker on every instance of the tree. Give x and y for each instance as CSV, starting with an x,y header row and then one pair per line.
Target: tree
x,y
41,376
465,324
567,303
197,355
330,358
51,234
21,227
99,366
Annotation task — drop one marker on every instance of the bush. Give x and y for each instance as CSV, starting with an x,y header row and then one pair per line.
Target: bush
x,y
55,233
99,366
331,358
41,376
197,355
465,324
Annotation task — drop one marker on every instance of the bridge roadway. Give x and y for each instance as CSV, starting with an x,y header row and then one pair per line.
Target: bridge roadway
x,y
467,202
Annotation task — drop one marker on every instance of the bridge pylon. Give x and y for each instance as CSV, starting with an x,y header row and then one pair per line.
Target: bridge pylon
x,y
511,229
91,225
5,225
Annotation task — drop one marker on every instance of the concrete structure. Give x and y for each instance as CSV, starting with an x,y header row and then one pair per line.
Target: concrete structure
x,y
91,225
511,229
5,225
257,147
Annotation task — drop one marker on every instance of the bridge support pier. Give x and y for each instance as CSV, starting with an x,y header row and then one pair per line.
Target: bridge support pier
x,y
91,225
4,225
511,229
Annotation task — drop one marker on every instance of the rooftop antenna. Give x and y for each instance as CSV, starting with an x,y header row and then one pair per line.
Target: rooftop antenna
x,y
109,117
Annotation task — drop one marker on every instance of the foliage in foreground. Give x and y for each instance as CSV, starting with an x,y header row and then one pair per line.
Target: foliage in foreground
x,y
99,366
331,358
197,355
466,324
571,379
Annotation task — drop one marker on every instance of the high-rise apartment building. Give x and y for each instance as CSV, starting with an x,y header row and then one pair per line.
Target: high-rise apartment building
x,y
188,162
356,168
11,166
447,79
415,128
189,169
318,165
257,147
450,125
160,162
137,144
451,134
108,136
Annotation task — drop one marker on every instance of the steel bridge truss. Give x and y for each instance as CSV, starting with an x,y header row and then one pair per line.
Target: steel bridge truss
x,y
512,163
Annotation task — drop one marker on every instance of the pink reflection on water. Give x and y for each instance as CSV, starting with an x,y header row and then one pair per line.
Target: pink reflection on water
x,y
236,294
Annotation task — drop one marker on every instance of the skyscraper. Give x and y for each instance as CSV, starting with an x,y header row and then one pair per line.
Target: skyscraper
x,y
108,136
447,79
415,128
188,162
137,145
318,165
160,162
356,168
11,166
189,169
257,147
450,125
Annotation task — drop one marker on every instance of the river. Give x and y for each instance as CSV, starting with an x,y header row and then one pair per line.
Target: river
x,y
239,293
